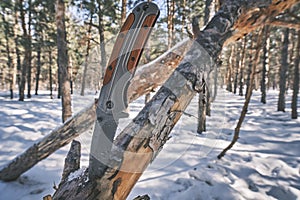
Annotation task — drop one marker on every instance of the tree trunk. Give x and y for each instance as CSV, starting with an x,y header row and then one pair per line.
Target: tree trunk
x,y
17,72
229,70
58,83
296,81
250,65
202,111
50,75
170,21
183,16
38,70
26,59
29,52
204,102
264,67
102,39
64,76
237,68
88,47
123,11
283,71
241,78
10,65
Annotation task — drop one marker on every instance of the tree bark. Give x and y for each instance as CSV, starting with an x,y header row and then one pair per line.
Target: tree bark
x,y
170,21
102,39
283,71
50,75
250,65
38,70
237,67
26,59
123,11
296,80
201,127
264,68
10,65
183,15
204,101
29,51
88,47
17,51
241,78
229,72
63,59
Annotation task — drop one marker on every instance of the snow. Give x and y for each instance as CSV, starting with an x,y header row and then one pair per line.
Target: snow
x,y
264,163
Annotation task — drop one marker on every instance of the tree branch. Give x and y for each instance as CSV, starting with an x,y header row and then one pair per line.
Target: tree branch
x,y
285,24
261,41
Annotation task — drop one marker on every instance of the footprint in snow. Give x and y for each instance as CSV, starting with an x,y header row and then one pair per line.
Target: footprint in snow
x,y
281,193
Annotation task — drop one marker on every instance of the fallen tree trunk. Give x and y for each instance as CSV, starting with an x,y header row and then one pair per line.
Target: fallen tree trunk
x,y
140,142
85,119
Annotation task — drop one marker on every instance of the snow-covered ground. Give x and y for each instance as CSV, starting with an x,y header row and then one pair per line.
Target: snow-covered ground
x,y
264,164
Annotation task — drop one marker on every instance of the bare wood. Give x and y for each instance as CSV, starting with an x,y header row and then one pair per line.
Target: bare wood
x,y
143,138
261,41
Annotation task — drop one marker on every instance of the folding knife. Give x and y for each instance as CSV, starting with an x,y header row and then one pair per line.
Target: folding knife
x,y
113,96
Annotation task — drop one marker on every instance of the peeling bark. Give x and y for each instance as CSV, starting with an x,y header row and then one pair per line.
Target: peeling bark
x,y
283,71
296,80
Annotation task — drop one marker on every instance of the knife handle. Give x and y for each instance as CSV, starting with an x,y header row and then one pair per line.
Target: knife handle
x,y
117,48
142,38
